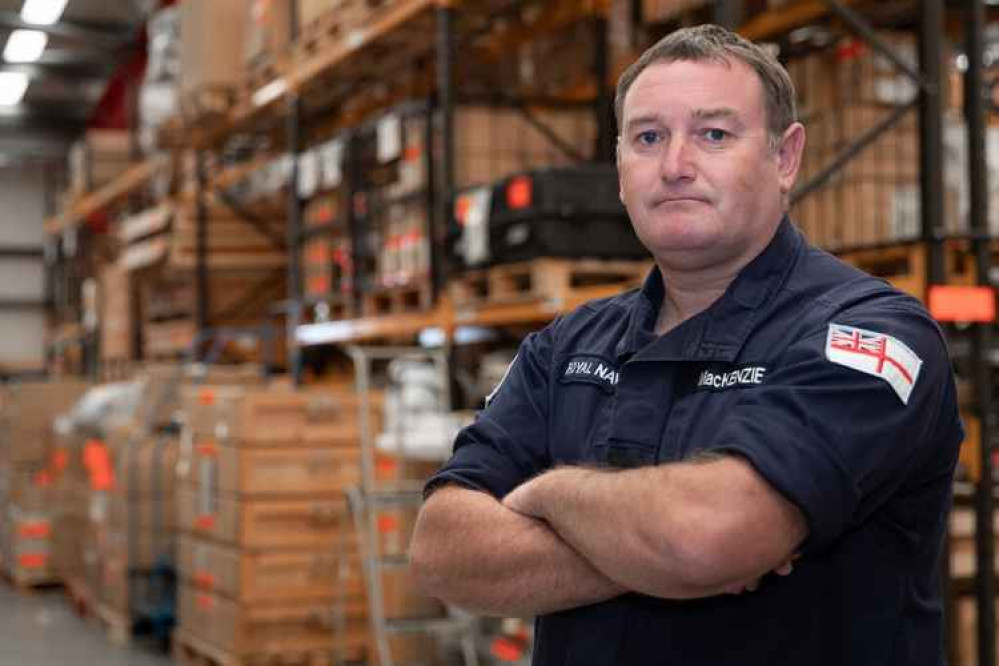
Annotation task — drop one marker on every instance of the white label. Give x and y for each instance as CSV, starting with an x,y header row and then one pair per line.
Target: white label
x,y
330,163
308,174
389,138
475,238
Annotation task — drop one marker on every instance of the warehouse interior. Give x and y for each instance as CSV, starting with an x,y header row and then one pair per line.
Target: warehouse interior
x,y
268,257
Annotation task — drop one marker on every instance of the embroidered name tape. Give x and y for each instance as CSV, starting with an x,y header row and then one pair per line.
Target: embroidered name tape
x,y
876,354
719,379
589,369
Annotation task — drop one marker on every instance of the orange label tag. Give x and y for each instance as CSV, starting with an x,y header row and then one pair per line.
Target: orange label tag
x,y
206,397
60,459
387,524
505,649
204,580
962,303
386,467
97,460
204,522
519,192
205,602
39,530
207,449
33,560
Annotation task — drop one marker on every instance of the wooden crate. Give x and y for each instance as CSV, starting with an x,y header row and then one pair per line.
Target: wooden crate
x,y
265,576
254,417
169,339
542,280
275,627
276,471
192,650
262,523
116,321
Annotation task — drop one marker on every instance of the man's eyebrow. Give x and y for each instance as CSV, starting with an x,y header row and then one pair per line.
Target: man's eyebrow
x,y
645,119
721,113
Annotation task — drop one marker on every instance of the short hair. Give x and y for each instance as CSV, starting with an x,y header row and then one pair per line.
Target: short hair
x,y
716,44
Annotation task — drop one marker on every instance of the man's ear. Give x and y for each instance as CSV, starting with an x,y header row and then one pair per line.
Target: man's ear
x,y
789,152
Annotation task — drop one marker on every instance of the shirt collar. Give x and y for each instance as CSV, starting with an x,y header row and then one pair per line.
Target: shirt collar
x,y
719,332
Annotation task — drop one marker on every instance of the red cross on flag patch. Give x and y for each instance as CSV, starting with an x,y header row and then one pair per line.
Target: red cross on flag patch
x,y
875,354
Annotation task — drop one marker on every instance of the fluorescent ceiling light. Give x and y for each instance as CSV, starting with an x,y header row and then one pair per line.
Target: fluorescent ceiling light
x,y
12,87
42,12
25,46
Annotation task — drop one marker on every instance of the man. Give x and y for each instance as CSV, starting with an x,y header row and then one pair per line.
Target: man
x,y
652,461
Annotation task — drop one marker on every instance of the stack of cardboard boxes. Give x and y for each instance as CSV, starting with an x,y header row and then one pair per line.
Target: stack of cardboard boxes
x,y
27,442
267,557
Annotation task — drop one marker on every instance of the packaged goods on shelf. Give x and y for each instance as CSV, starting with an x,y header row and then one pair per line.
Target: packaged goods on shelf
x,y
659,11
158,93
116,321
212,42
97,158
268,34
570,212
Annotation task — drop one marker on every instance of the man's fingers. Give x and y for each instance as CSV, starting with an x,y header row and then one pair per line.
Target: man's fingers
x,y
784,569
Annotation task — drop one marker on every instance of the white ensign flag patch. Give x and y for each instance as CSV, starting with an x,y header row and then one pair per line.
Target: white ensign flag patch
x,y
875,354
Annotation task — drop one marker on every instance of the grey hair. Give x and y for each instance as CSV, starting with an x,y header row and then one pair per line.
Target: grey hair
x,y
713,43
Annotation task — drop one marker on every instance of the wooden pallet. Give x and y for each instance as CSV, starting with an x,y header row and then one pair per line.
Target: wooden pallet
x,y
905,265
259,75
397,300
337,308
334,27
190,650
210,101
29,583
542,280
118,626
79,595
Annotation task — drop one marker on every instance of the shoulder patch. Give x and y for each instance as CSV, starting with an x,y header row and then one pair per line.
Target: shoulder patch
x,y
875,354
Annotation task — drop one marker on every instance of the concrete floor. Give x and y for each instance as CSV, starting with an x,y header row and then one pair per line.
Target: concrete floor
x,y
41,629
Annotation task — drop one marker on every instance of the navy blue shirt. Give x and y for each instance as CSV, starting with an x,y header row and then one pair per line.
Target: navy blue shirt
x,y
834,385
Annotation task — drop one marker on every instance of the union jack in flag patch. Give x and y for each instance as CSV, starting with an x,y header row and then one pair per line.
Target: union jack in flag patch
x,y
875,354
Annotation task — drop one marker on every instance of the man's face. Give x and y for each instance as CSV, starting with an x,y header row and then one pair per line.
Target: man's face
x,y
697,174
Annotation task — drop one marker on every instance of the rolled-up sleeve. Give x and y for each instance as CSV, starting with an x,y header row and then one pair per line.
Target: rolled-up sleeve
x,y
838,441
508,442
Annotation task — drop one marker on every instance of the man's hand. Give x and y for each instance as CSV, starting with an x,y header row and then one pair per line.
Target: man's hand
x,y
524,498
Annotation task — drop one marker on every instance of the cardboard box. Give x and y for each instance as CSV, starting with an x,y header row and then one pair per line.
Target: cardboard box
x,y
212,36
258,523
266,576
29,410
116,321
283,471
287,626
275,416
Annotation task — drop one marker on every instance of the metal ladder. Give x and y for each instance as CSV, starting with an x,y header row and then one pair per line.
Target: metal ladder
x,y
365,502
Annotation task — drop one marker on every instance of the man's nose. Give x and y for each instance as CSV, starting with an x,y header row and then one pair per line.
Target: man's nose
x,y
676,163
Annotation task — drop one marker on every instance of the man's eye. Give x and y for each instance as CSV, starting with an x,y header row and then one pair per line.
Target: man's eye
x,y
648,137
715,135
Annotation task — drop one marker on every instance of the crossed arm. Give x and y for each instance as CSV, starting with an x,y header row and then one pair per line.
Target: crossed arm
x,y
575,536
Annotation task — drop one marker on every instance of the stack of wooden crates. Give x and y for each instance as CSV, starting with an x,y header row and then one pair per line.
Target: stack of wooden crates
x,y
268,562
27,410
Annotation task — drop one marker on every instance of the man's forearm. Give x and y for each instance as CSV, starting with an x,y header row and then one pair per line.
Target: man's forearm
x,y
470,550
662,530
